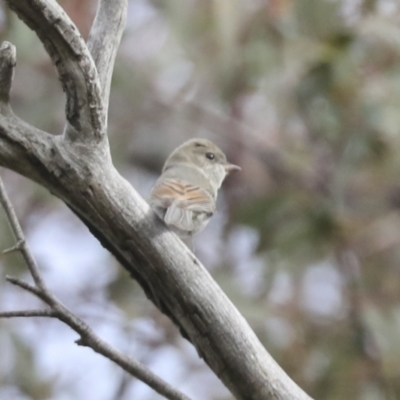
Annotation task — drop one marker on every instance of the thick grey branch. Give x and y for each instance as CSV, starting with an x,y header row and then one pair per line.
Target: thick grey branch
x,y
75,66
85,179
178,284
104,40
58,310
167,271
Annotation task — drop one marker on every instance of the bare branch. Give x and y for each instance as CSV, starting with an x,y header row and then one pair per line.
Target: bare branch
x,y
19,236
90,339
61,312
168,272
26,149
104,40
134,367
27,286
28,313
85,179
75,66
16,247
7,65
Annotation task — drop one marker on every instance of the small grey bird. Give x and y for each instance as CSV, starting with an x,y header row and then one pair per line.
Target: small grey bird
x,y
185,194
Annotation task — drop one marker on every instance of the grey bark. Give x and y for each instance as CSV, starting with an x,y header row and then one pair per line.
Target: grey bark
x,y
56,309
77,168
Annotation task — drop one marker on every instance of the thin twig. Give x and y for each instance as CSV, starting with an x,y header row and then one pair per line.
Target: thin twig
x,y
16,247
28,313
58,310
20,238
28,287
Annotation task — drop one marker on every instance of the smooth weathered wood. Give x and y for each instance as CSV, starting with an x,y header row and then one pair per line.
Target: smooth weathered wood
x,y
83,176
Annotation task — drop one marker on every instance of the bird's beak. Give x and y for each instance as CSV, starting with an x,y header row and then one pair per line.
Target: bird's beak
x,y
231,167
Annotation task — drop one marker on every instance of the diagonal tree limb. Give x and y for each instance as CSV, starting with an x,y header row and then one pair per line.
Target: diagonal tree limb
x,y
167,271
78,75
86,180
58,310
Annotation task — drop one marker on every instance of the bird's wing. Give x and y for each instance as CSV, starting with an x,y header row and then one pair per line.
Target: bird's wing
x,y
181,201
184,195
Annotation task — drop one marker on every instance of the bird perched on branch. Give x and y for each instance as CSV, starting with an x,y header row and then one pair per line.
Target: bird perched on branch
x,y
185,194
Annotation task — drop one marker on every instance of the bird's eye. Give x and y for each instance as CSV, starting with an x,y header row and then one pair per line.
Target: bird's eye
x,y
210,156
